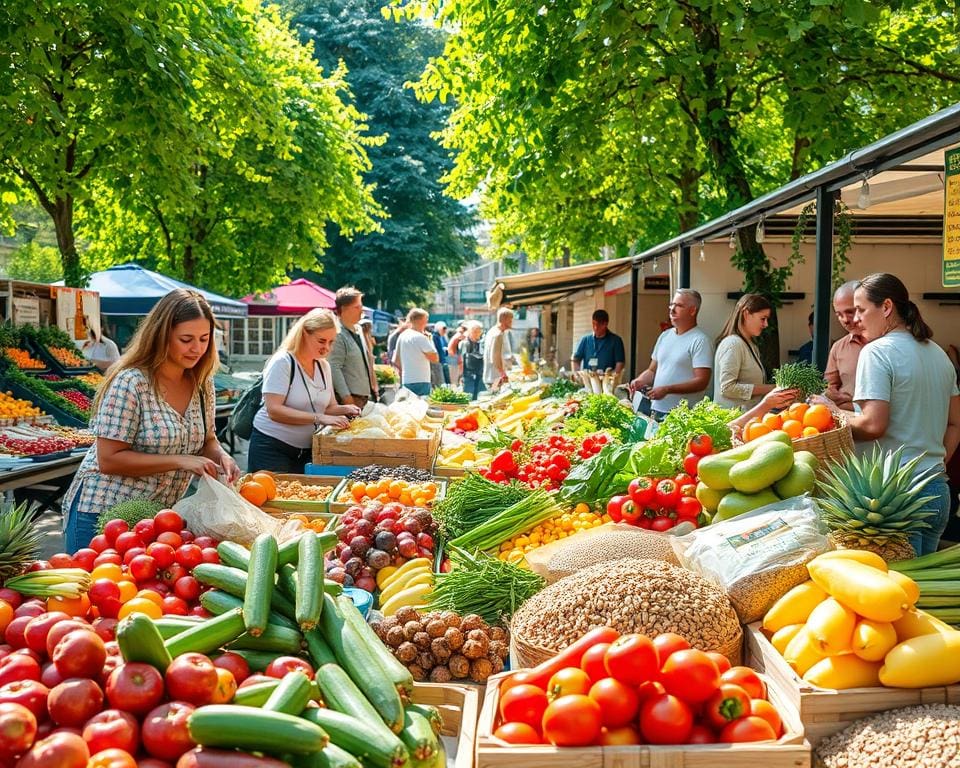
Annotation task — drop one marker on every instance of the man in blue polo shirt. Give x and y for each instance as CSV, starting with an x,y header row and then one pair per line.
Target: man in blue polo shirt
x,y
601,349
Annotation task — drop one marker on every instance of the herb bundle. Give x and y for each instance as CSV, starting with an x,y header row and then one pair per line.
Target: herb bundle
x,y
804,377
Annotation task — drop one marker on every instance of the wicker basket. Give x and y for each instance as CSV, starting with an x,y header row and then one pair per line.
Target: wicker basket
x,y
830,446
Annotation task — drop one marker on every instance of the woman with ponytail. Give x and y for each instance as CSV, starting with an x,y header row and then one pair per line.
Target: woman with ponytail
x,y
906,390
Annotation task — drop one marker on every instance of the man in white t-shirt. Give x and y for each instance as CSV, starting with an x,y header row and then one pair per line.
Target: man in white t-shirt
x,y
497,350
682,359
414,353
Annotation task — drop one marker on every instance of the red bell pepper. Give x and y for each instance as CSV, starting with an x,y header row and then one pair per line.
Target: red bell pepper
x,y
504,462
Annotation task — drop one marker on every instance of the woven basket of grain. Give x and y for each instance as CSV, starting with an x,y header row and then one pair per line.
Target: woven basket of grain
x,y
630,595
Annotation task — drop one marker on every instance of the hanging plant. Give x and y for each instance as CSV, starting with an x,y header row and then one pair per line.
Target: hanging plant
x,y
843,239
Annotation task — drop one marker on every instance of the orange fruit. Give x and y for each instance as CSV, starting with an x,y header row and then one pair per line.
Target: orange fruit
x,y
149,594
406,499
395,490
128,590
793,428
810,431
755,430
818,416
253,492
6,615
772,420
797,410
110,571
267,482
358,491
72,606
140,605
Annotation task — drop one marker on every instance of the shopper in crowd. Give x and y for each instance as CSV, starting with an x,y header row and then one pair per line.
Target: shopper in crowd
x,y
740,380
805,352
366,327
498,350
100,351
153,418
601,349
471,349
841,373
454,356
439,375
351,357
415,352
392,340
298,397
682,359
533,343
907,392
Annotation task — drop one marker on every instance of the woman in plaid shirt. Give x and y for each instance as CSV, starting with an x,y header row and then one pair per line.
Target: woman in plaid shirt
x,y
154,418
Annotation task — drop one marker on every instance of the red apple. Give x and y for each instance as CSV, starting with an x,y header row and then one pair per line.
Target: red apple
x,y
106,627
80,653
31,608
113,528
99,543
165,733
113,558
11,597
18,666
74,701
62,560
112,729
234,662
283,664
35,633
60,749
191,677
134,687
31,694
18,729
84,558
61,630
13,634
50,676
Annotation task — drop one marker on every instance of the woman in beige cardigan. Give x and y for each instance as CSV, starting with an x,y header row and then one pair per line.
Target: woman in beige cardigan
x,y
739,375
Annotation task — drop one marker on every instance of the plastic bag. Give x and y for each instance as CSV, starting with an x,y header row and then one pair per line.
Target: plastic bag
x,y
217,510
758,556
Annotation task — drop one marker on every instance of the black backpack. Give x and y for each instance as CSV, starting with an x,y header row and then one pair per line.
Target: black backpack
x,y
241,420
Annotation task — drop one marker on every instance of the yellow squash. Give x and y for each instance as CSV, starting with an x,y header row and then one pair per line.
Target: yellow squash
x,y
794,607
860,555
831,626
782,637
412,597
872,640
802,652
923,662
909,586
864,590
915,623
842,672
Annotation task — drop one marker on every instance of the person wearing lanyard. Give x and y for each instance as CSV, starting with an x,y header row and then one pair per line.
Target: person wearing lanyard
x,y
297,397
601,349
351,359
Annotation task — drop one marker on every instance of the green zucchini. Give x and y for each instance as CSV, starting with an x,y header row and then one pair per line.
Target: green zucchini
x,y
228,725
431,713
140,640
273,638
233,554
398,674
318,648
341,694
289,551
234,582
358,738
332,588
209,636
217,601
287,581
168,626
361,664
256,695
418,737
257,660
331,756
261,579
291,696
309,599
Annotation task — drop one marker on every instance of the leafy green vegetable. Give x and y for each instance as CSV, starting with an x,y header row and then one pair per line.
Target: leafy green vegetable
x,y
802,376
473,500
562,388
449,395
495,439
594,479
603,412
684,422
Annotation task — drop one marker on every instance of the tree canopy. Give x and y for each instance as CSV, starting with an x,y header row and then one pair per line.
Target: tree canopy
x,y
426,234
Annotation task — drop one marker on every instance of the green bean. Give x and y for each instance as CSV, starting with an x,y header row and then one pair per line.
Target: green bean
x,y
517,518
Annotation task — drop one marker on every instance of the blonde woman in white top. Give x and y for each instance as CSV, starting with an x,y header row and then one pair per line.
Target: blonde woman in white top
x,y
739,376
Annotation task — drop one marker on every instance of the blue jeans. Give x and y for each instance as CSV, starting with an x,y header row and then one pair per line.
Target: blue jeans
x,y
926,540
421,388
473,384
78,527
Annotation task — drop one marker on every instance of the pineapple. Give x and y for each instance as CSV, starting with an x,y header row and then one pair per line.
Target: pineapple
x,y
874,503
19,541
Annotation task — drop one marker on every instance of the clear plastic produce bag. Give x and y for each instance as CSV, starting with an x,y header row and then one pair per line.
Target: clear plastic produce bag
x,y
758,556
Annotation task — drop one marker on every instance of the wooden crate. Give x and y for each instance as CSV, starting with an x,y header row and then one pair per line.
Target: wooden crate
x,y
824,711
790,751
459,709
389,452
285,506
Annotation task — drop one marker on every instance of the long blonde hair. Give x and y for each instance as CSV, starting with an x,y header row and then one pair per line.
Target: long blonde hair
x,y
315,320
148,347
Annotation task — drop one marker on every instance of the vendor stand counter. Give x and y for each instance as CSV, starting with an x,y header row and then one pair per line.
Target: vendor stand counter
x,y
43,482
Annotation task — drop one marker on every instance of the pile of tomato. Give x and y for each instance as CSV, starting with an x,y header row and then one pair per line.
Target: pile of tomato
x,y
661,503
612,690
545,464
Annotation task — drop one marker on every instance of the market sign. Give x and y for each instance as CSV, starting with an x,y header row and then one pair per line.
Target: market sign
x,y
26,311
951,219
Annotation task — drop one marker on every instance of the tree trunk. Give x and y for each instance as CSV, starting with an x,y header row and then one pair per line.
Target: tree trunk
x,y
189,264
62,214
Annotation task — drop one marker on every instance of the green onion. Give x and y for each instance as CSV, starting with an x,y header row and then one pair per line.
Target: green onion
x,y
473,500
53,582
944,558
522,516
933,574
949,615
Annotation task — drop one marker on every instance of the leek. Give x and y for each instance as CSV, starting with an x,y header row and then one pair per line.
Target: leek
x,y
945,557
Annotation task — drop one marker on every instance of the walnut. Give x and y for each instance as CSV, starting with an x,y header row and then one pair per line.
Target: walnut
x,y
454,638
422,640
499,649
479,636
407,614
440,675
395,637
496,663
407,652
471,621
450,618
480,670
440,648
436,628
417,672
472,649
411,628
459,665
499,633
426,660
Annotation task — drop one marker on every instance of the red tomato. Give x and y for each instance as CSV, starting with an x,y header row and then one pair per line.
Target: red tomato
x,y
191,677
665,719
684,479
747,679
688,508
112,729
592,661
189,555
524,703
128,540
700,734
567,681
690,463
35,633
283,664
641,490
171,538
61,749
631,512
166,520
722,662
625,736
614,507
80,653
701,445
667,492
18,729
143,568
237,665
99,543
145,530
690,675
175,606
728,703
112,758
165,733
749,728
572,721
31,694
74,701
187,587
619,703
648,689
134,687
164,554
114,528
62,560
766,710
84,558
517,733
662,524
668,642
632,659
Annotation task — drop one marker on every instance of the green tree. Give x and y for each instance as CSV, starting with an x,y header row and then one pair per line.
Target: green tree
x,y
36,263
427,234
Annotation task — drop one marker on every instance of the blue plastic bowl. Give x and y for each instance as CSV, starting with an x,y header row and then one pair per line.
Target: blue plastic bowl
x,y
361,598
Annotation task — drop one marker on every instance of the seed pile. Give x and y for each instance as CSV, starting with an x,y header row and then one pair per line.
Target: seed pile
x,y
630,595
914,737
754,594
373,472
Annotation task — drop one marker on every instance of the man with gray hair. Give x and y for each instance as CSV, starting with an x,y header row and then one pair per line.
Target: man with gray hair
x,y
415,352
497,350
841,370
682,359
